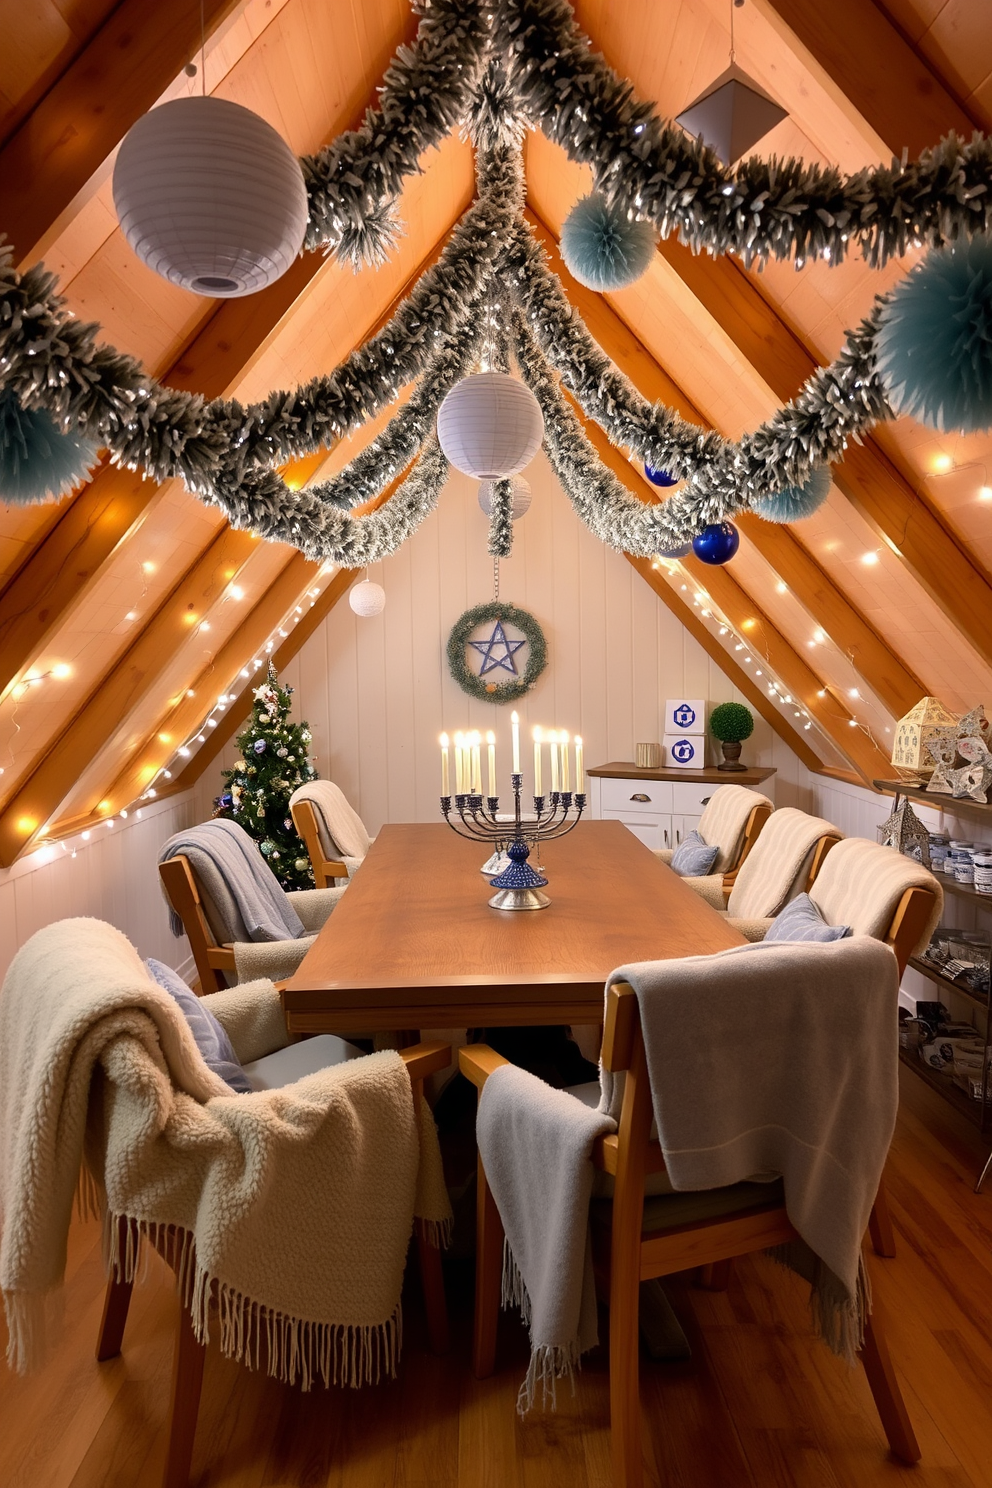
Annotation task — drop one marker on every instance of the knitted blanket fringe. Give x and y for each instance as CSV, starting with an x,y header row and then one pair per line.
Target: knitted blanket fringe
x,y
293,1350
548,1362
836,1319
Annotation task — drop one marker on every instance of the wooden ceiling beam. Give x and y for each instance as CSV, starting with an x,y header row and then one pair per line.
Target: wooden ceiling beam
x,y
791,668
62,567
902,517
119,75
894,89
186,718
892,681
37,797
738,675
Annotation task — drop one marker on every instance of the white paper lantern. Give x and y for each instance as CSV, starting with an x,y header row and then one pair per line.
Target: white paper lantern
x,y
490,425
210,196
367,599
522,497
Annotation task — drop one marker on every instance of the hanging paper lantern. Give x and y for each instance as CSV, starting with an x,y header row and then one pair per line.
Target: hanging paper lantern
x,y
520,504
659,477
717,543
732,115
679,551
604,248
37,461
490,425
210,196
933,348
793,503
367,599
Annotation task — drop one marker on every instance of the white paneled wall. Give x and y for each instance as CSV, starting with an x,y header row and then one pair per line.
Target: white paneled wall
x,y
112,877
616,654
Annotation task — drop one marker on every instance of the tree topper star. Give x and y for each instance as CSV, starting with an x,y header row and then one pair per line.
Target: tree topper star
x,y
491,663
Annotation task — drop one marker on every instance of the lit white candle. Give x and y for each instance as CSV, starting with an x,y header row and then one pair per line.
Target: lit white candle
x,y
537,762
553,742
460,764
444,766
515,733
491,741
564,760
476,763
579,776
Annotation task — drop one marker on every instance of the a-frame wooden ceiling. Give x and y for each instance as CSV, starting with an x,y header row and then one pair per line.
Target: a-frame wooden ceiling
x,y
154,606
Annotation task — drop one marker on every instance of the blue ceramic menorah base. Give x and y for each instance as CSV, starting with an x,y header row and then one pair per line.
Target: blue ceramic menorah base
x,y
519,887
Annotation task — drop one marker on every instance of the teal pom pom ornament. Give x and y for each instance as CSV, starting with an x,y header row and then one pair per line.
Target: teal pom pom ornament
x,y
602,247
795,502
37,462
934,343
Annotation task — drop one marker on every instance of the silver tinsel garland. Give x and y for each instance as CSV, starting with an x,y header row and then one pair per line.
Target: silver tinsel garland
x,y
758,209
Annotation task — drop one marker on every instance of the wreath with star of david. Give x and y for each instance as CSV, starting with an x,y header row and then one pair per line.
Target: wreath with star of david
x,y
498,652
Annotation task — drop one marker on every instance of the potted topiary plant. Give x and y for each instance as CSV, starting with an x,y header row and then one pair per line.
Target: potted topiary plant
x,y
731,723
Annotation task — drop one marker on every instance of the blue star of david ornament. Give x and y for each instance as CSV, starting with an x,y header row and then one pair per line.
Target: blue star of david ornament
x,y
487,649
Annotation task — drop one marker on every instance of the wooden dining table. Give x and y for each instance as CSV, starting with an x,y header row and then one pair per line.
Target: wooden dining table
x,y
413,943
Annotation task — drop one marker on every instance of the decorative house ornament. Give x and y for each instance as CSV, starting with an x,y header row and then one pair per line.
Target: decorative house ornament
x,y
499,654
210,196
520,502
935,339
602,246
903,830
490,425
37,462
915,731
367,599
732,115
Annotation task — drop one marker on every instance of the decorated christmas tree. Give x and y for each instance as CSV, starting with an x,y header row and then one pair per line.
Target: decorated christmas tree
x,y
274,760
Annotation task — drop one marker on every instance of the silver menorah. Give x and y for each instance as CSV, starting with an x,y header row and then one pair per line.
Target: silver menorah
x,y
477,817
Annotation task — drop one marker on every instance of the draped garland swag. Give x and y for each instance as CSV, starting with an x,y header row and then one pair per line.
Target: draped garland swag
x,y
497,69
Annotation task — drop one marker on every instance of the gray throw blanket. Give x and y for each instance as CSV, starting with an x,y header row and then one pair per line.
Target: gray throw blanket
x,y
780,1059
536,1144
243,892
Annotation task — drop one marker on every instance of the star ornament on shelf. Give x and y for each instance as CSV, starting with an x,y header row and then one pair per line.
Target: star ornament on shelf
x,y
491,662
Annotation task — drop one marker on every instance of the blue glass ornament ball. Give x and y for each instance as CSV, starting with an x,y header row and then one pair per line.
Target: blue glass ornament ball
x,y
660,477
259,746
717,543
226,800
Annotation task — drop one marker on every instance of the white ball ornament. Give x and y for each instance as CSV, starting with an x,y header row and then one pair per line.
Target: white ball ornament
x,y
210,196
522,497
367,599
490,425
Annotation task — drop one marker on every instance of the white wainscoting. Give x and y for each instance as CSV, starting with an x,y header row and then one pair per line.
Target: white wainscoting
x,y
113,876
377,692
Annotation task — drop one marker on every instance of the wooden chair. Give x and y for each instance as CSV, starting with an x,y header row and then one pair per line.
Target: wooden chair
x,y
325,869
210,957
732,820
632,1242
421,1061
752,830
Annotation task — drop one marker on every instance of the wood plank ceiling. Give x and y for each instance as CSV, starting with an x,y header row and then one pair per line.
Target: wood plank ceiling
x,y
128,607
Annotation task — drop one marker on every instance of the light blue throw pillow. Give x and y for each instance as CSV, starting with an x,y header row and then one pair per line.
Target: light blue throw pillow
x,y
801,920
211,1038
693,858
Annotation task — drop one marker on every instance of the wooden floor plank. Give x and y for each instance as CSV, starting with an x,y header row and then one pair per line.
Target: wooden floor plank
x,y
761,1404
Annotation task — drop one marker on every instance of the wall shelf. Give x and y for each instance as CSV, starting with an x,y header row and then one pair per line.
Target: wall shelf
x,y
954,805
925,968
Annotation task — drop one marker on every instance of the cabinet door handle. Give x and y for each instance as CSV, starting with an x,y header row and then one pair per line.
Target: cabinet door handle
x,y
666,836
678,836
706,800
640,796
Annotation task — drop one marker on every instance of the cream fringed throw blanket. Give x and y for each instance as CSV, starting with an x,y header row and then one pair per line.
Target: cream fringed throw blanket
x,y
295,1205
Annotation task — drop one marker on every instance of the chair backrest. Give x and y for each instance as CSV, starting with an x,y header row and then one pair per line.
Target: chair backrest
x,y
879,892
732,820
182,892
325,869
340,829
783,862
